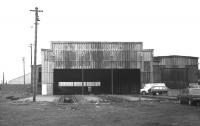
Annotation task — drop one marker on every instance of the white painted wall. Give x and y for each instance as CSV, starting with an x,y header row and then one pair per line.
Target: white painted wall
x,y
44,89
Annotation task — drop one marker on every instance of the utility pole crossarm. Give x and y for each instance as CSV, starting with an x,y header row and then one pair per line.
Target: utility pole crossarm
x,y
36,9
36,13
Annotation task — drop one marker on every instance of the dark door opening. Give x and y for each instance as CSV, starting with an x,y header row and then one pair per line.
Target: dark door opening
x,y
96,81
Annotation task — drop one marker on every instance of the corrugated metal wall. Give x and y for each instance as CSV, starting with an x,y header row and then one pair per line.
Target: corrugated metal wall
x,y
96,55
47,70
178,61
175,78
177,71
147,66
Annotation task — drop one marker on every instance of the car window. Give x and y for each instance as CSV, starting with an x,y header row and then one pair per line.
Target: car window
x,y
155,87
159,88
152,87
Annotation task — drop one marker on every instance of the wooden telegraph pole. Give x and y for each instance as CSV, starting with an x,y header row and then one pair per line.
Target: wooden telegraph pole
x,y
31,69
23,59
3,79
35,54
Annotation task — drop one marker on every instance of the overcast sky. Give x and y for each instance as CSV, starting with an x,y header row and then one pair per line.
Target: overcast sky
x,y
170,27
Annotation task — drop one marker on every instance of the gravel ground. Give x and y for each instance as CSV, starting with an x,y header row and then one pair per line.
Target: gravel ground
x,y
98,111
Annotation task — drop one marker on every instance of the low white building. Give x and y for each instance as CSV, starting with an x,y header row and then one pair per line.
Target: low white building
x,y
20,79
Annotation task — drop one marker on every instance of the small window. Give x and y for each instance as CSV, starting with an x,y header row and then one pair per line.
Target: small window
x,y
156,87
78,84
65,84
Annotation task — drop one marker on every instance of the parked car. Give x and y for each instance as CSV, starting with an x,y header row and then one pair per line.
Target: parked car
x,y
145,89
156,90
190,96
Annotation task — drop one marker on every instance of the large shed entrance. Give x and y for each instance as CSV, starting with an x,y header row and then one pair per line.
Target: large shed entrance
x,y
96,81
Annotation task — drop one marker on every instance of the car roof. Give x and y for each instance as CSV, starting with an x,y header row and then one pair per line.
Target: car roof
x,y
159,86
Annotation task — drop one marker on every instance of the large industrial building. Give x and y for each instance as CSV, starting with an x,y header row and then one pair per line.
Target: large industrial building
x,y
109,68
95,67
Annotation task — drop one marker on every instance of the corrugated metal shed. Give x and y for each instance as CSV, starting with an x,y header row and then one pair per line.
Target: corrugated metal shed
x,y
96,55
176,71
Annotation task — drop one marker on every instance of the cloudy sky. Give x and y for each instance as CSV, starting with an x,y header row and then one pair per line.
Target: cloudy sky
x,y
170,27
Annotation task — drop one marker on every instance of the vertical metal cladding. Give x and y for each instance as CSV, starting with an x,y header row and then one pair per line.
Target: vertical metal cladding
x,y
96,55
147,66
179,61
47,70
185,66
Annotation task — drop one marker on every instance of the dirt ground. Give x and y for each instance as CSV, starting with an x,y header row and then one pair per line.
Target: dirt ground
x,y
107,111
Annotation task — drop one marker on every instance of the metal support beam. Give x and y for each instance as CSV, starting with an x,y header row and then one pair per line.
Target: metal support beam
x,y
82,79
112,80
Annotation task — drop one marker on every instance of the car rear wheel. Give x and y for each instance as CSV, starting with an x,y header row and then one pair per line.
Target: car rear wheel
x,y
180,101
143,93
190,102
